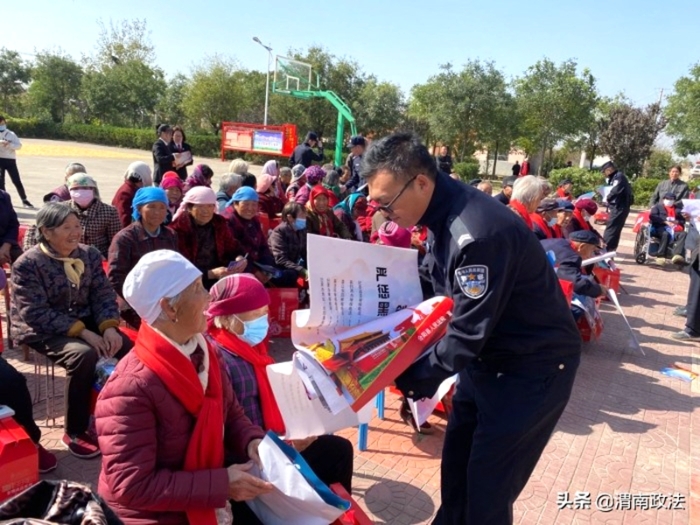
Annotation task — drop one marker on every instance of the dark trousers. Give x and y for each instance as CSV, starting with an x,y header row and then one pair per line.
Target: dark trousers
x,y
677,246
15,394
613,228
692,320
79,360
10,165
331,459
501,420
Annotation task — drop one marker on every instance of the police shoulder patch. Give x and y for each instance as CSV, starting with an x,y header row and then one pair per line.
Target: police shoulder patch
x,y
473,280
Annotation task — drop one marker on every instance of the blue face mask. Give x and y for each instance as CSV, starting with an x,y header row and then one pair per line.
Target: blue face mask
x,y
255,331
299,224
552,221
3,127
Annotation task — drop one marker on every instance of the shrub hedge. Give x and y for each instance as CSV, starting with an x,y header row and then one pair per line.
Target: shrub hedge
x,y
204,145
467,170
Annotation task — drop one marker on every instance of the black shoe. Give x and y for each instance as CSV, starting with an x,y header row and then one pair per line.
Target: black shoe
x,y
28,204
407,417
681,311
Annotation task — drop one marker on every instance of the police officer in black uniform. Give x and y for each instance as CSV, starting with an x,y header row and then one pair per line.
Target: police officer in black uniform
x,y
512,338
619,202
357,146
304,154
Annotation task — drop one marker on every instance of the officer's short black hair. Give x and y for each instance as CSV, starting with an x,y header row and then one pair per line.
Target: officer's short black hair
x,y
401,154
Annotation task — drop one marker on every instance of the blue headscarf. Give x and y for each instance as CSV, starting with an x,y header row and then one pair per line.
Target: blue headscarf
x,y
348,203
244,193
146,195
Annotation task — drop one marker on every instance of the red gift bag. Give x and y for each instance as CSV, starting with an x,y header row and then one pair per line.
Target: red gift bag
x,y
568,288
608,278
19,459
283,301
355,516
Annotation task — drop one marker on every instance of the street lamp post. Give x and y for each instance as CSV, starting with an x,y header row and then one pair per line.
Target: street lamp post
x,y
267,78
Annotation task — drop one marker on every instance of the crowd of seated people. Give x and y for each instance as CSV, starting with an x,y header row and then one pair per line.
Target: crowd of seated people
x,y
89,267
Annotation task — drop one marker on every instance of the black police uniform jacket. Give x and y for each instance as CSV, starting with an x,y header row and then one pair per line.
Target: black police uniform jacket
x,y
304,155
620,195
568,264
509,308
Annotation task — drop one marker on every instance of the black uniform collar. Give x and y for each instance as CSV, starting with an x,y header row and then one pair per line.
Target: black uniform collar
x,y
439,209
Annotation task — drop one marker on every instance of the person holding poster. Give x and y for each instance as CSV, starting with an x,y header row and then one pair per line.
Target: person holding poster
x,y
511,337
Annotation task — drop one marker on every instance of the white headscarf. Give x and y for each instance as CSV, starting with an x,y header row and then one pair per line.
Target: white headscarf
x,y
139,170
157,275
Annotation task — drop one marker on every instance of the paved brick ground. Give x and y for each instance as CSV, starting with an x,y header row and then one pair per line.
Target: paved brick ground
x,y
627,430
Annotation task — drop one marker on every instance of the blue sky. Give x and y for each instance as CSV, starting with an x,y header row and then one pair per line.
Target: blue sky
x,y
635,47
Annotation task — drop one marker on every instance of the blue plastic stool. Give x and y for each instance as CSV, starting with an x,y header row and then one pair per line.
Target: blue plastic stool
x,y
363,429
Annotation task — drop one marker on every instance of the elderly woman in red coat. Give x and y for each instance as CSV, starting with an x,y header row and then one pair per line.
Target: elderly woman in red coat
x,y
168,421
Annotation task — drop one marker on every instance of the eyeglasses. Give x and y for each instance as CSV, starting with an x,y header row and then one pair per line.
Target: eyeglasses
x,y
386,208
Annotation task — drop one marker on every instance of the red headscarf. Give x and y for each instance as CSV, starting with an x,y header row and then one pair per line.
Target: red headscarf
x,y
205,449
325,218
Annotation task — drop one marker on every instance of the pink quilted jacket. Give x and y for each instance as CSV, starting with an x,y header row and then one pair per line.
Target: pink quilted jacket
x,y
143,434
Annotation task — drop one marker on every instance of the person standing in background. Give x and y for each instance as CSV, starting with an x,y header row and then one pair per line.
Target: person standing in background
x,y
9,144
619,201
163,158
444,160
516,169
304,153
178,145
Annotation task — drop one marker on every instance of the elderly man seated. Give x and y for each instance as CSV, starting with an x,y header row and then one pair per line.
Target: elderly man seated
x,y
228,185
238,328
544,219
568,256
565,212
168,420
668,225
526,196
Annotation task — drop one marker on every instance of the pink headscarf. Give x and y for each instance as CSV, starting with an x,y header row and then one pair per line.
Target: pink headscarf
x,y
237,294
271,168
196,195
264,183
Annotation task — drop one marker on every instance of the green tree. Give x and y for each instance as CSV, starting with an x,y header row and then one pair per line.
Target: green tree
x,y
169,107
214,93
121,85
252,94
461,107
683,113
15,74
57,80
555,103
627,134
658,164
379,107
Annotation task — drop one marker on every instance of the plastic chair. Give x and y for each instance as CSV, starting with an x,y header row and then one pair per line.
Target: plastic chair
x,y
49,377
363,429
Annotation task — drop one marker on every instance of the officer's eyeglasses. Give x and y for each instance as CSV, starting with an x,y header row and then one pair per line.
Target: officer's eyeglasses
x,y
386,208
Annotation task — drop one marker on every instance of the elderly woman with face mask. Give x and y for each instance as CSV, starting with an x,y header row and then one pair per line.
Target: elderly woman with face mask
x,y
146,234
138,175
238,328
99,221
245,227
64,307
204,237
168,420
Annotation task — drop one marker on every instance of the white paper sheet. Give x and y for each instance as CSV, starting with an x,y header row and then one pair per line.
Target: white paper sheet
x,y
422,409
304,417
691,207
634,341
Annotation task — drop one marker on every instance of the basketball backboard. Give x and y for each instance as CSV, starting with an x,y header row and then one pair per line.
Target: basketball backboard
x,y
293,75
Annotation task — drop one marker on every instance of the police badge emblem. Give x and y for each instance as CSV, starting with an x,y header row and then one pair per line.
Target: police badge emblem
x,y
473,280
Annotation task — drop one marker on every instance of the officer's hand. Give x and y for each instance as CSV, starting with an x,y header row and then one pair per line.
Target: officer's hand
x,y
418,381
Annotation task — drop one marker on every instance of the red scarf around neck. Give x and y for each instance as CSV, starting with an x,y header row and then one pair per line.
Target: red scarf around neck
x,y
582,222
539,221
205,449
258,357
520,209
557,233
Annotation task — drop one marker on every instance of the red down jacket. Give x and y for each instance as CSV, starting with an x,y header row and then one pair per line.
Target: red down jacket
x,y
143,434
